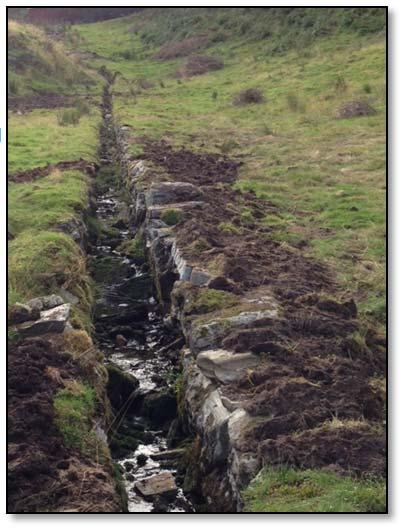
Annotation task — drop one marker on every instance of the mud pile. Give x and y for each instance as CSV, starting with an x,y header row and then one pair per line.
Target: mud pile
x,y
39,172
45,474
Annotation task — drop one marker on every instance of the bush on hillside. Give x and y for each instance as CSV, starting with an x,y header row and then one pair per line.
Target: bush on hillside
x,y
248,97
353,109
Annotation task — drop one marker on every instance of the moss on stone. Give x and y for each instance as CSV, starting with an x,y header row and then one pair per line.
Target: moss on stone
x,y
207,300
171,216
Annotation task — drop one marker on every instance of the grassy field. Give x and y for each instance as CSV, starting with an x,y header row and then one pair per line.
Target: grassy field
x,y
286,490
326,175
36,139
42,259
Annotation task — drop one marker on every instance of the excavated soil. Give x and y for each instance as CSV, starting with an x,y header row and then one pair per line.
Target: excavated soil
x,y
317,360
43,474
33,174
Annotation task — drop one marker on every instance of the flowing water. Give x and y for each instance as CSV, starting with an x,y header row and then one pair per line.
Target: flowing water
x,y
125,307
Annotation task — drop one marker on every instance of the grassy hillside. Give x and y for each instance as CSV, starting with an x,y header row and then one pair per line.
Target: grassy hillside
x,y
325,175
38,64
37,139
41,257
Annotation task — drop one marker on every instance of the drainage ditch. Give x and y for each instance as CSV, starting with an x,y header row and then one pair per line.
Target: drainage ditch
x,y
141,351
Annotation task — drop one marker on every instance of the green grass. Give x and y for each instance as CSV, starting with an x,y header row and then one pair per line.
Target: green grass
x,y
171,216
42,260
313,491
74,410
208,300
326,176
36,139
47,202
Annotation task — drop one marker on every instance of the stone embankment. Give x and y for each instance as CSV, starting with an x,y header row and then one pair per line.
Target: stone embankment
x,y
270,374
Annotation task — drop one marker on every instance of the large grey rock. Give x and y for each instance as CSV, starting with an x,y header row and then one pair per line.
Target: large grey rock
x,y
226,366
171,193
51,321
199,277
184,269
76,229
46,302
209,335
162,484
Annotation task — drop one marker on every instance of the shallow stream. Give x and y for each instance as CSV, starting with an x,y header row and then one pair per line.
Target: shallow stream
x,y
134,337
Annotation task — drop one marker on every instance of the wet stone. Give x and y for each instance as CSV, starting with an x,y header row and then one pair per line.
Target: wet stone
x,y
162,484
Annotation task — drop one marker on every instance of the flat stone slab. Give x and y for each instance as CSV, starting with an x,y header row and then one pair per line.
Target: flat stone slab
x,y
162,484
172,193
51,321
167,455
225,366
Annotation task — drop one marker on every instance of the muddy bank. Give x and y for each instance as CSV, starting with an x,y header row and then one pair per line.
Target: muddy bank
x,y
277,367
45,474
33,174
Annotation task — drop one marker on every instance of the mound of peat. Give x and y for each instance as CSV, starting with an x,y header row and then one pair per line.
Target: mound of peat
x,y
43,473
318,362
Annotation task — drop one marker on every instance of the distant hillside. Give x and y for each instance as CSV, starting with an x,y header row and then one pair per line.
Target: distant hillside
x,y
63,15
283,27
38,64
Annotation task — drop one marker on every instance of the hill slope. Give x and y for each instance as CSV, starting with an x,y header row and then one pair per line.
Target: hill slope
x,y
36,63
325,175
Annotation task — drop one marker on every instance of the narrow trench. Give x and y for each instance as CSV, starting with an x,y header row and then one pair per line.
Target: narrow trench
x,y
137,342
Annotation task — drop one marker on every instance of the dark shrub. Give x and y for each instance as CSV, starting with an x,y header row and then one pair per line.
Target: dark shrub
x,y
355,109
248,97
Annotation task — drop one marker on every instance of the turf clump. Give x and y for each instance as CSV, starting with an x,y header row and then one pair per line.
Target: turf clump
x,y
74,410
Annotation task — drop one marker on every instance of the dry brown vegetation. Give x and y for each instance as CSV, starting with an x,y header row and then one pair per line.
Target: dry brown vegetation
x,y
185,47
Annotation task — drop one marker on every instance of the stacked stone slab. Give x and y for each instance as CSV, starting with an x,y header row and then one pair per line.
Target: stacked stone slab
x,y
219,422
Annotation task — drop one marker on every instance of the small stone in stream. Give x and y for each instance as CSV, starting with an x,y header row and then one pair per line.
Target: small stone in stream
x,y
168,455
20,313
160,407
120,224
129,477
51,321
128,466
148,438
162,484
121,388
141,460
120,340
160,505
158,379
